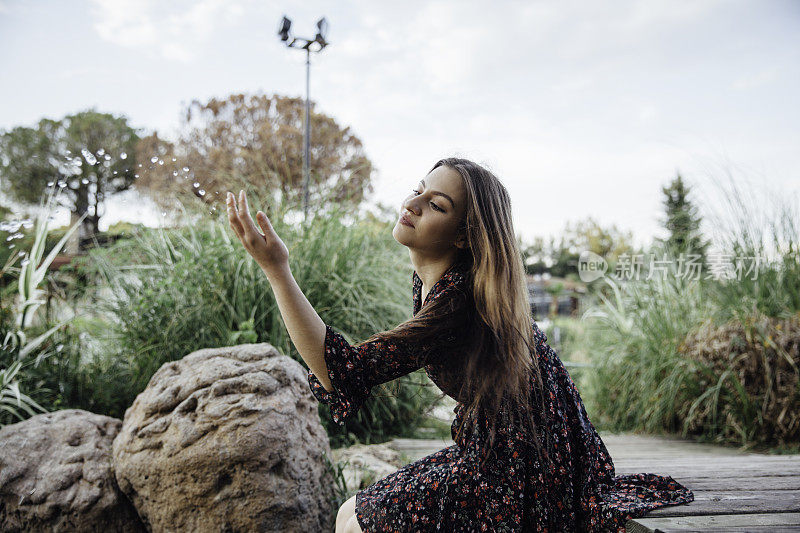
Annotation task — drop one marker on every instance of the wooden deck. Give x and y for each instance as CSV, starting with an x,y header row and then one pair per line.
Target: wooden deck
x,y
734,490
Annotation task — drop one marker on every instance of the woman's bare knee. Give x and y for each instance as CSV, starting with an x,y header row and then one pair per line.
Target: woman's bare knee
x,y
352,525
346,511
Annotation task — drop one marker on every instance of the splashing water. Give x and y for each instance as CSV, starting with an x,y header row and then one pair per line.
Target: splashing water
x,y
88,156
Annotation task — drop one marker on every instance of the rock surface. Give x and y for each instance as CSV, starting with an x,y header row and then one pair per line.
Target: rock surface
x,y
365,463
56,475
227,439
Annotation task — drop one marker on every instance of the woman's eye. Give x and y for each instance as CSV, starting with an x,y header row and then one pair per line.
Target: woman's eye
x,y
432,204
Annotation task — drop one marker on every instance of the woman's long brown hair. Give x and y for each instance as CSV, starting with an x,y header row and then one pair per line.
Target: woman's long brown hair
x,y
489,325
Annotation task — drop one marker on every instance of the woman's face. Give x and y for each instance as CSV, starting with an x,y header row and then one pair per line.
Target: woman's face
x,y
435,216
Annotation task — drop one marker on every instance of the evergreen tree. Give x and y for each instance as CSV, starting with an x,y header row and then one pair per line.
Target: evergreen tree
x,y
682,221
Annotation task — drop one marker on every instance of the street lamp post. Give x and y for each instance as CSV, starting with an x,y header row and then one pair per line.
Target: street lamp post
x,y
284,31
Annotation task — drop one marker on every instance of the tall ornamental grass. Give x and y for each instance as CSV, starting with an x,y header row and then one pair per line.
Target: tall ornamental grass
x,y
716,357
26,341
169,292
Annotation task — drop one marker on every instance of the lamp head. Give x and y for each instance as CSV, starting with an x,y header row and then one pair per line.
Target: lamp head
x,y
284,28
322,31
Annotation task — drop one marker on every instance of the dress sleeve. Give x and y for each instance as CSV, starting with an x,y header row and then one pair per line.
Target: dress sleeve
x,y
355,370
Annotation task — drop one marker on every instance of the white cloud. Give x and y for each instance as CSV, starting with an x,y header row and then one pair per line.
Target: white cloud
x,y
176,30
762,77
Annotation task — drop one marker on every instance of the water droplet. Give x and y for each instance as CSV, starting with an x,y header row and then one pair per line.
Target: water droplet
x,y
163,213
140,164
24,262
136,175
49,183
11,226
62,184
84,181
107,157
196,185
115,173
160,161
174,172
173,159
202,192
11,245
101,151
78,162
88,156
153,159
123,155
186,169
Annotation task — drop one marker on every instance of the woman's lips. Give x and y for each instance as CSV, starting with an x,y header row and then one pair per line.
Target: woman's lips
x,y
405,221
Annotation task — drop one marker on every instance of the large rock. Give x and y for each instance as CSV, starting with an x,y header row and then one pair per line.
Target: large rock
x,y
227,439
363,464
56,475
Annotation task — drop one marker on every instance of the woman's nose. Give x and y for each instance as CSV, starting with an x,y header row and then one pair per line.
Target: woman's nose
x,y
409,205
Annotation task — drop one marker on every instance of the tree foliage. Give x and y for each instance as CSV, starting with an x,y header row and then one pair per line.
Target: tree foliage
x,y
682,221
92,154
559,256
256,142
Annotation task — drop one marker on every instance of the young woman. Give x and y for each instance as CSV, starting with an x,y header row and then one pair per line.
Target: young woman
x,y
526,457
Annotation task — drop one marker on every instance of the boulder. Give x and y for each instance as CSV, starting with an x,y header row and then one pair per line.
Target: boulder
x,y
227,439
56,475
363,464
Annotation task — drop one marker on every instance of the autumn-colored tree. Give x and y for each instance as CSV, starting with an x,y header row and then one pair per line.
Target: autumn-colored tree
x,y
255,142
91,155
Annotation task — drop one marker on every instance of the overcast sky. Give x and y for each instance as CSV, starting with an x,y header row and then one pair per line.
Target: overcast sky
x,y
581,108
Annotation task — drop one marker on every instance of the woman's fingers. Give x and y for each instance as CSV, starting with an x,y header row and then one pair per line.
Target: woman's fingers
x,y
233,216
265,223
244,213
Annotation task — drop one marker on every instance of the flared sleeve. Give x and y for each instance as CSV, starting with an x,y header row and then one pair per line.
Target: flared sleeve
x,y
355,369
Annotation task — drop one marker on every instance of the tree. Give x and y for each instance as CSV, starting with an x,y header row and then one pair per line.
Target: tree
x,y
682,221
560,256
89,154
256,142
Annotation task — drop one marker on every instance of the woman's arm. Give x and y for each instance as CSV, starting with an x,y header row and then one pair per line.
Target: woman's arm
x,y
304,325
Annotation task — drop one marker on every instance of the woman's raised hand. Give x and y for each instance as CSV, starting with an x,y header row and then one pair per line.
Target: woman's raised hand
x,y
267,249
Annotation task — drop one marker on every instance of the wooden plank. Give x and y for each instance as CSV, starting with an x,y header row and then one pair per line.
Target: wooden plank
x,y
743,483
721,522
709,470
743,529
724,462
734,502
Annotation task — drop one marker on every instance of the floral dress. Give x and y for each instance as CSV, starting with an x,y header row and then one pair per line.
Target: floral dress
x,y
450,490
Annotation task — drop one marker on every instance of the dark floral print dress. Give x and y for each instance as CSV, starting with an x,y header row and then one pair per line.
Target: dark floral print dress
x,y
451,490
